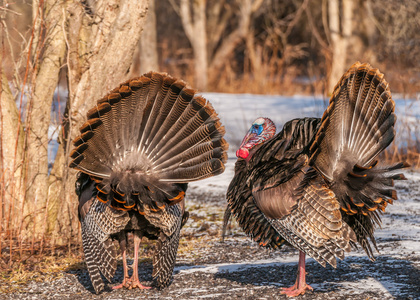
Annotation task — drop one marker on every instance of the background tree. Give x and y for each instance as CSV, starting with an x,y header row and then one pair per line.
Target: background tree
x,y
146,56
95,46
211,33
193,17
340,27
101,47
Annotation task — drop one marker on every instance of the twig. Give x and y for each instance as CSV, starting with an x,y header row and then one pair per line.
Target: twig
x,y
9,10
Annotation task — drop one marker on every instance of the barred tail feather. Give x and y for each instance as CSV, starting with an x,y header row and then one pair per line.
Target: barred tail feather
x,y
356,127
155,128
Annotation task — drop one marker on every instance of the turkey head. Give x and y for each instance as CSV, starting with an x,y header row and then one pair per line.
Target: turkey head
x,y
262,130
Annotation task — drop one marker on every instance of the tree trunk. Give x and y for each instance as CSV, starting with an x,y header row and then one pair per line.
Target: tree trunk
x,y
200,47
38,123
148,42
365,33
11,161
195,28
339,38
111,43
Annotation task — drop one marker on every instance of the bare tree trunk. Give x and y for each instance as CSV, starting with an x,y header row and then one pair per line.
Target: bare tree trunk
x,y
197,23
234,38
148,42
200,42
111,43
11,160
193,17
339,38
39,112
218,17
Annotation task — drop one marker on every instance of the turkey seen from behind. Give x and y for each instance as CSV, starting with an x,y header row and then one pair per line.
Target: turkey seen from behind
x,y
140,147
317,184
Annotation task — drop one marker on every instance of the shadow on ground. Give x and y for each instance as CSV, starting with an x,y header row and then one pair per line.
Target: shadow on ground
x,y
396,277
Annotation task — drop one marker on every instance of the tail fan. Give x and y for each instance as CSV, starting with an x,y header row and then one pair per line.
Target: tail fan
x,y
146,135
356,127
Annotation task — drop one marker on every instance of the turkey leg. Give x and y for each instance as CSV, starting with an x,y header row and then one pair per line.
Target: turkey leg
x,y
123,247
134,280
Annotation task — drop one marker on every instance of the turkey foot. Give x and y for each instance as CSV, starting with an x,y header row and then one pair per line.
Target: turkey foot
x,y
294,291
300,286
135,283
125,283
131,283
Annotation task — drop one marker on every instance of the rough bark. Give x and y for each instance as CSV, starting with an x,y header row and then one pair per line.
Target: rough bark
x,y
39,111
148,43
193,17
104,45
11,150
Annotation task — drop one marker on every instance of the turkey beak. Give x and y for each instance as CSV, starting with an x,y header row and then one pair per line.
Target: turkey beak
x,y
249,141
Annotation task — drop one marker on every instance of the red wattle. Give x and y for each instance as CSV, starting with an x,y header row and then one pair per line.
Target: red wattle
x,y
242,153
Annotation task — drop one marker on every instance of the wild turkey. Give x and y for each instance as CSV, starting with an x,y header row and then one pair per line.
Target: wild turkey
x,y
317,184
141,145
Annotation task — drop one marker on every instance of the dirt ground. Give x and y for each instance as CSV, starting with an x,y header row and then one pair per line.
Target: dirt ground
x,y
239,269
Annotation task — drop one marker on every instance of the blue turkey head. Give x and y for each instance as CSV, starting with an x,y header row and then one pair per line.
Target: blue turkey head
x,y
261,130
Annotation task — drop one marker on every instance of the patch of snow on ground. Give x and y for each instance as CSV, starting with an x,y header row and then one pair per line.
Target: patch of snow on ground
x,y
370,284
235,267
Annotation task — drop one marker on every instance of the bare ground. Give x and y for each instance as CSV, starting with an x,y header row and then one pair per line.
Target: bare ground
x,y
240,269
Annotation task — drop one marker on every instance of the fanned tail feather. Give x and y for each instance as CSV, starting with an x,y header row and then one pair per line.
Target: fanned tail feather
x,y
154,128
358,123
356,127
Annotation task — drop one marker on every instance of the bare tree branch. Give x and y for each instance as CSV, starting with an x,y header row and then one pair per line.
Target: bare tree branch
x,y
233,39
195,30
315,31
185,14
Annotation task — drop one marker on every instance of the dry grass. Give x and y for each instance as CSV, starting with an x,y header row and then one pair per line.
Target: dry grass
x,y
39,267
51,265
